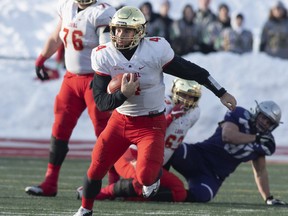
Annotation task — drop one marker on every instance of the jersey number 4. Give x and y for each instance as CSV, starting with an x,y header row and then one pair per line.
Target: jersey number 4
x,y
76,39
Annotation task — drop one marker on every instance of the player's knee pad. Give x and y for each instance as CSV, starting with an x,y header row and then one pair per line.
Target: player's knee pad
x,y
94,187
200,193
124,188
58,151
164,195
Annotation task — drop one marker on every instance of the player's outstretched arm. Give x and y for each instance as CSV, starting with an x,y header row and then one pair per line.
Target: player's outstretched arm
x,y
262,181
229,101
184,69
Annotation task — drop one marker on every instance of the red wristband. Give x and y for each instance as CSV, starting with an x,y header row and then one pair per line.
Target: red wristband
x,y
40,60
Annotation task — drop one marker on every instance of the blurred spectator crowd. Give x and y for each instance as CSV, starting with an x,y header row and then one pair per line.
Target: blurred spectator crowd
x,y
204,31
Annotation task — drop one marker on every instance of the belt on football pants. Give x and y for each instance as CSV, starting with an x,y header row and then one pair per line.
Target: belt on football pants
x,y
153,114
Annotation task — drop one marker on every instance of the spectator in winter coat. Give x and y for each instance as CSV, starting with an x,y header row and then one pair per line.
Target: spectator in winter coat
x,y
165,18
154,26
236,39
204,14
185,33
274,37
214,29
203,17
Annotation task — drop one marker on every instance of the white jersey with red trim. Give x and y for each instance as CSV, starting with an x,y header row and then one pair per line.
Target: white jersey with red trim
x,y
147,62
79,32
178,128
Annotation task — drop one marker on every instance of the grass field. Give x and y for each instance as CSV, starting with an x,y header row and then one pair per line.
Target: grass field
x,y
238,195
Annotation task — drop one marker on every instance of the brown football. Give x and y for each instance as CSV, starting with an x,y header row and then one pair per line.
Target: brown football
x,y
115,84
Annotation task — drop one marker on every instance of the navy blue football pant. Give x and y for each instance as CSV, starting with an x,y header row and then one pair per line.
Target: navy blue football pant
x,y
203,183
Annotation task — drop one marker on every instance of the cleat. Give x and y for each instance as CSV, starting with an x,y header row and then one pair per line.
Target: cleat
x,y
83,212
38,191
79,192
150,191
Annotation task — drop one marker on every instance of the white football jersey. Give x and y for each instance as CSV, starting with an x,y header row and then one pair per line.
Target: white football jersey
x,y
78,32
178,128
147,62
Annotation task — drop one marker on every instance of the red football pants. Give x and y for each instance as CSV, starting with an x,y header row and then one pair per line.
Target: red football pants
x,y
125,167
145,132
72,99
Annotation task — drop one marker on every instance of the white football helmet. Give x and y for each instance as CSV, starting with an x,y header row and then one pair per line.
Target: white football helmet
x,y
132,18
85,2
187,92
271,110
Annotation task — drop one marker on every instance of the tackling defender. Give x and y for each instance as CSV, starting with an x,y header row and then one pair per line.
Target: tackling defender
x,y
242,136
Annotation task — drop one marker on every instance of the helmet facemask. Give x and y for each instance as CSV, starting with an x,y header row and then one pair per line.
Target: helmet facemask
x,y
86,2
266,117
129,18
186,92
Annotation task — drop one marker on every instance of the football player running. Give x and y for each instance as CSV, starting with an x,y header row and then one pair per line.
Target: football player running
x,y
138,108
83,25
242,136
182,112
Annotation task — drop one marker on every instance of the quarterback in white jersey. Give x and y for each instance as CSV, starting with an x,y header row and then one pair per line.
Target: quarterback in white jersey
x,y
182,112
83,25
106,60
138,107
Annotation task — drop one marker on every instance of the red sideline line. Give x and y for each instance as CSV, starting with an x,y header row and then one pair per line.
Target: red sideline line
x,y
19,147
22,147
43,141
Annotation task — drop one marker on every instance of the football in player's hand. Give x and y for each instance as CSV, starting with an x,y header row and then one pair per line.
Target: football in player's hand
x,y
115,83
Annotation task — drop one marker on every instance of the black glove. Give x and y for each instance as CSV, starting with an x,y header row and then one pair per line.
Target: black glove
x,y
41,73
271,201
264,139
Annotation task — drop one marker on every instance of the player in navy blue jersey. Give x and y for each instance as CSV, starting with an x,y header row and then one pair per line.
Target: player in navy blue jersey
x,y
242,136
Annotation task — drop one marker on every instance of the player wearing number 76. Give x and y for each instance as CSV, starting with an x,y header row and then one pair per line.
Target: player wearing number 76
x,y
138,107
83,25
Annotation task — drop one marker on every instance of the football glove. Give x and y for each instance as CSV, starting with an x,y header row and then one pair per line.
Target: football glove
x,y
177,111
272,201
264,139
40,69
